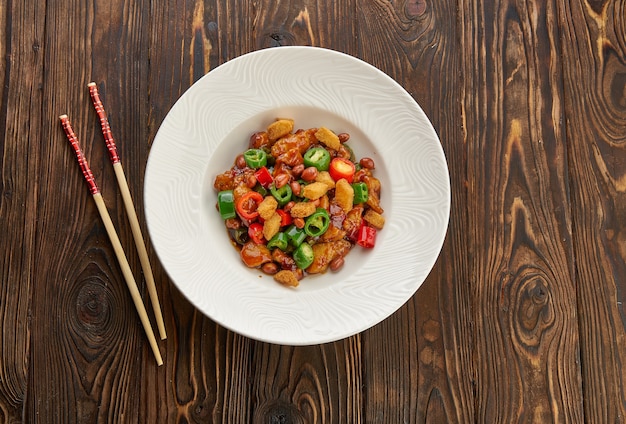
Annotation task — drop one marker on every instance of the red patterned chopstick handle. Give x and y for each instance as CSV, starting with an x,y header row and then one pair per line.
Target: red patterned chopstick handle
x,y
104,122
84,166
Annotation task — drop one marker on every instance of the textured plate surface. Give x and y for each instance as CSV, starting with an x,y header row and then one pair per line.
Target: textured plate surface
x,y
212,122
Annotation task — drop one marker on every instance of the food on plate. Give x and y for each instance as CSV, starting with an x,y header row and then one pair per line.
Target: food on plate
x,y
296,203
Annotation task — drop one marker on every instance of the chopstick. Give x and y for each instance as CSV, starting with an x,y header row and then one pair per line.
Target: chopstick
x,y
115,241
130,207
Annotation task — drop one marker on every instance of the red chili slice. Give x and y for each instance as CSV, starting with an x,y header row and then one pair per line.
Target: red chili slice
x,y
247,205
341,168
367,236
264,177
285,218
255,232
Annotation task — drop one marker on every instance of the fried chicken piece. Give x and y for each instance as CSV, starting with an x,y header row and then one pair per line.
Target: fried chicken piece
x,y
324,253
287,278
314,190
302,209
279,128
271,226
267,207
300,140
328,138
373,188
375,219
344,195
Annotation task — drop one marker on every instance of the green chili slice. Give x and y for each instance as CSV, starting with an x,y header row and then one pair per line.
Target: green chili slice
x,y
279,241
282,195
361,194
317,224
255,158
226,204
260,189
303,256
349,149
295,235
317,157
240,235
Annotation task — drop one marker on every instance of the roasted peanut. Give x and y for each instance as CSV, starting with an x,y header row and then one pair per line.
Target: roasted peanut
x,y
258,140
297,170
295,188
298,222
270,268
367,163
335,264
281,180
309,174
288,206
251,181
233,223
343,137
240,162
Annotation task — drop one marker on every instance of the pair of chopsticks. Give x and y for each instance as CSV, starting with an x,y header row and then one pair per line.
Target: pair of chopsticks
x,y
132,217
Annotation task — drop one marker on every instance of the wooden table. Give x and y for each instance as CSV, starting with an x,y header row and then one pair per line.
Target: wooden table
x,y
521,320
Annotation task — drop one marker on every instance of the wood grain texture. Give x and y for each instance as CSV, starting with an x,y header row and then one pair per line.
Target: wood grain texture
x,y
594,48
87,359
311,384
527,349
521,319
21,73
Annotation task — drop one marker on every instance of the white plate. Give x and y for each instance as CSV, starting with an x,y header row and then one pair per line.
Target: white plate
x,y
212,122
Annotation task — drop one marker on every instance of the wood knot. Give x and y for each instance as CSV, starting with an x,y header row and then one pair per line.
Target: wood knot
x,y
279,412
618,90
534,310
93,306
415,8
597,5
279,37
201,412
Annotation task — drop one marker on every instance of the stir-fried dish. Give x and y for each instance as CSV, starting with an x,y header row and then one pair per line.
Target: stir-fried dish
x,y
296,203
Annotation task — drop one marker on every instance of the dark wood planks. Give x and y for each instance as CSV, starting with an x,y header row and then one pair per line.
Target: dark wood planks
x,y
320,384
593,43
86,347
524,290
418,363
21,73
521,319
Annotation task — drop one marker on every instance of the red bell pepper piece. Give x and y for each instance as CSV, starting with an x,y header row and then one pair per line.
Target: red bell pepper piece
x,y
366,237
285,218
255,232
263,176
247,204
341,168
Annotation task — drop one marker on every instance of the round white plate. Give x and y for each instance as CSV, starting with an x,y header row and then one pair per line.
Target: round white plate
x,y
212,122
